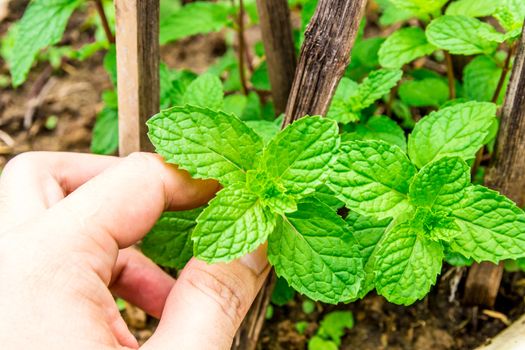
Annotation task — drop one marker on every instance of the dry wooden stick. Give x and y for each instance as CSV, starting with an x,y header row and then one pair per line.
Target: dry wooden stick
x,y
274,18
506,174
324,57
137,71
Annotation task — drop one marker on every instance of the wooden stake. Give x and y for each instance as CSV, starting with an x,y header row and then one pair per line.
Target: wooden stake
x,y
274,18
324,57
137,38
506,175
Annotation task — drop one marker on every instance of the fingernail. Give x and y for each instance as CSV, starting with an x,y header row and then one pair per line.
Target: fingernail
x,y
256,260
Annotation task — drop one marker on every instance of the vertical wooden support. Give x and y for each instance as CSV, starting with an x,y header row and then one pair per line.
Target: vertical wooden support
x,y
274,18
137,38
324,56
506,175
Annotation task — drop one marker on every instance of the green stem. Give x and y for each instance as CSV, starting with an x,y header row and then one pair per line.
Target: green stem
x,y
104,20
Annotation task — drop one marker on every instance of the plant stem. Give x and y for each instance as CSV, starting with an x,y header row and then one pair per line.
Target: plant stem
x,y
104,20
450,75
503,76
240,38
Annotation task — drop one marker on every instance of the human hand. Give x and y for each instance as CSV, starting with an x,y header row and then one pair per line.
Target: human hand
x,y
66,222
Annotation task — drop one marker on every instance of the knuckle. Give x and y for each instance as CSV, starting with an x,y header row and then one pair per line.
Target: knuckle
x,y
21,162
223,289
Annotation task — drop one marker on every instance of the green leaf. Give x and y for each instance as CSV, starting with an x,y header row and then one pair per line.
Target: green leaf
x,y
206,143
511,14
407,265
480,78
205,91
420,7
334,324
378,128
440,184
459,130
376,85
368,232
434,224
313,250
265,129
461,35
372,178
326,196
195,18
493,227
235,104
234,224
298,156
260,79
472,8
421,93
282,293
105,132
270,192
169,241
393,14
340,109
404,46
364,58
318,343
41,26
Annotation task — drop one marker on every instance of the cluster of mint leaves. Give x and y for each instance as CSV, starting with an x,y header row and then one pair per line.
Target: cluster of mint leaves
x,y
406,208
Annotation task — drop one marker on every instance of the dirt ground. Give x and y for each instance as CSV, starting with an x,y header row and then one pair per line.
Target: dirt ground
x,y
72,95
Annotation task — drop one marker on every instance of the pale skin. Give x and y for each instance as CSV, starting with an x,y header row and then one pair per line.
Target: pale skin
x,y
67,226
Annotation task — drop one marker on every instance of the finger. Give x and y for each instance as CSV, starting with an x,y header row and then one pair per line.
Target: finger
x,y
118,207
34,181
139,281
208,303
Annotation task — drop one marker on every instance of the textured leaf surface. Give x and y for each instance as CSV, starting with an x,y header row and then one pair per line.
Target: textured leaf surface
x,y
372,178
404,46
169,241
480,78
265,129
511,14
459,130
341,110
42,25
472,8
313,250
194,18
206,143
298,156
407,265
422,93
378,128
234,223
368,232
440,184
461,35
493,227
205,91
376,85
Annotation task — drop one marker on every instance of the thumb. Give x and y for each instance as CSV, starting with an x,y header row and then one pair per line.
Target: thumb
x,y
208,303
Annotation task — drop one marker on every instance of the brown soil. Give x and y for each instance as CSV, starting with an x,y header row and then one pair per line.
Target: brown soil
x,y
73,96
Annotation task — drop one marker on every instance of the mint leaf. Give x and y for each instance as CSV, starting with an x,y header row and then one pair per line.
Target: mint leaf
x,y
459,130
376,85
372,178
313,250
472,8
407,265
169,241
404,46
511,14
105,132
368,232
265,129
420,7
421,93
42,25
493,227
440,185
326,196
282,293
318,343
205,91
480,78
206,143
298,156
378,128
234,224
334,324
195,18
340,109
434,224
270,192
461,35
